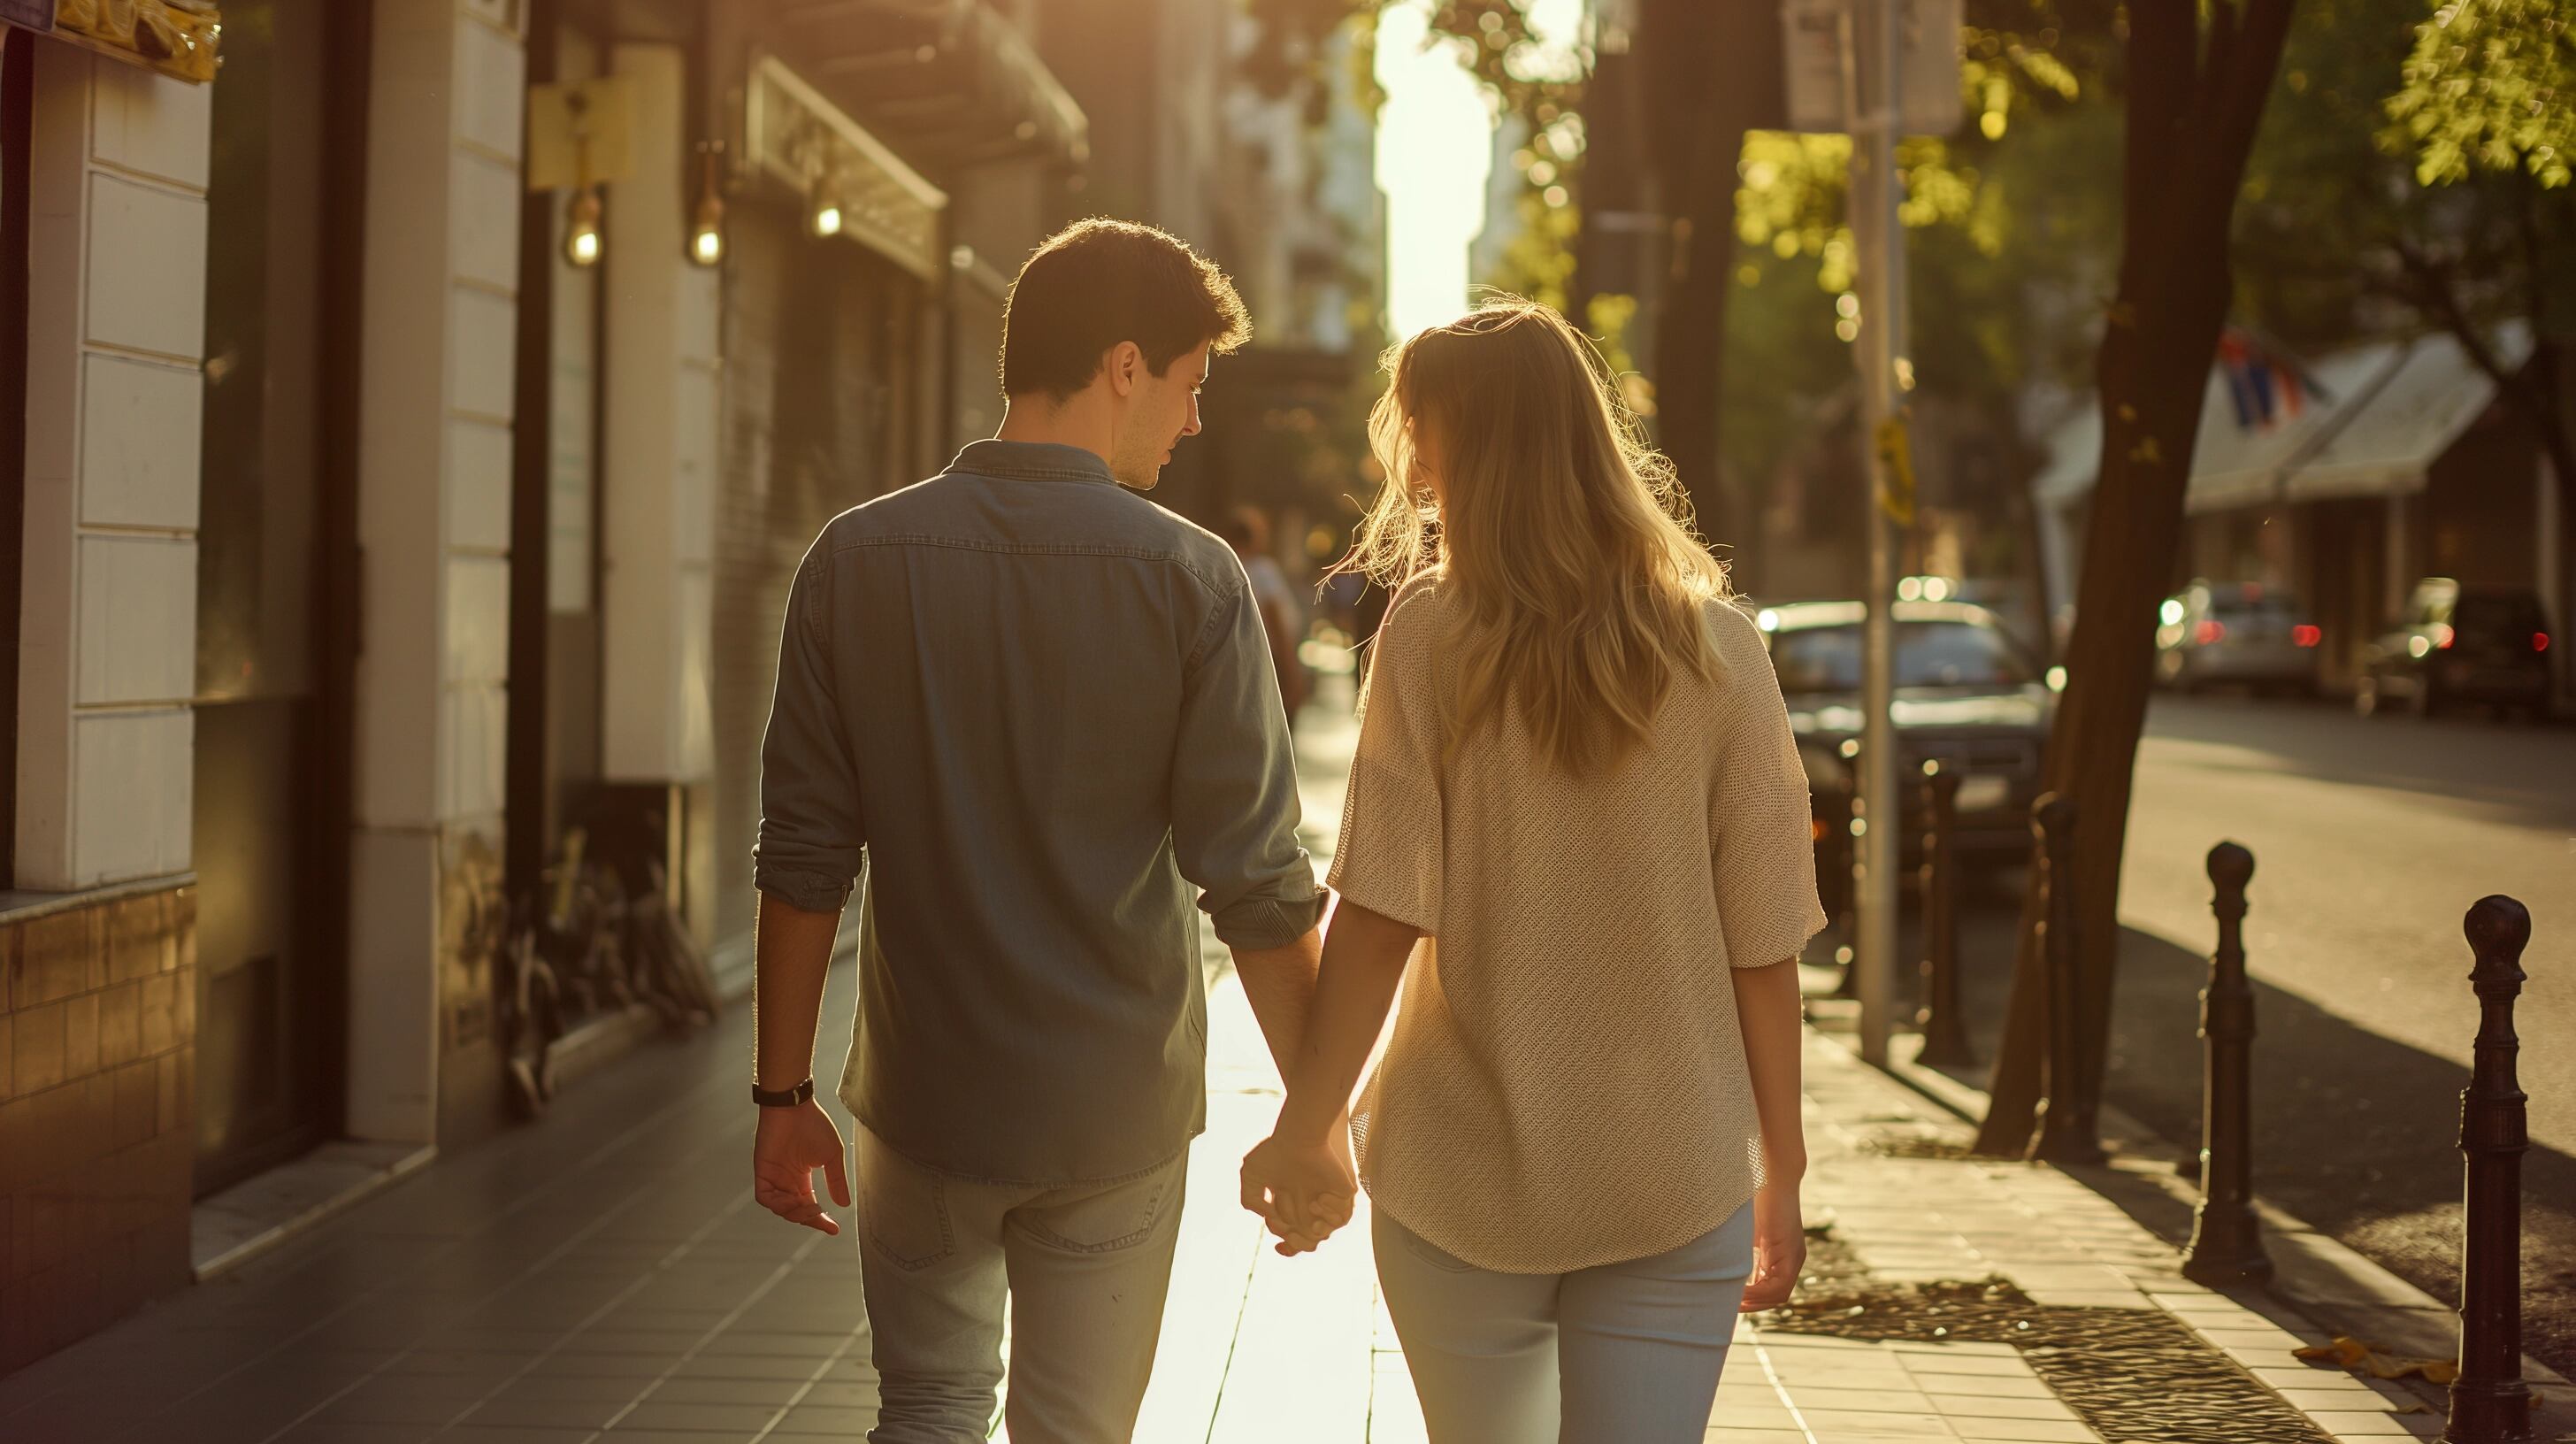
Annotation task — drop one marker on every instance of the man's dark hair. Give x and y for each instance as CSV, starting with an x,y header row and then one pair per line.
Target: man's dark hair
x,y
1099,282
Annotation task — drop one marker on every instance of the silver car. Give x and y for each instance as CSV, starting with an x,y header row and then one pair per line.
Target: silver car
x,y
2240,633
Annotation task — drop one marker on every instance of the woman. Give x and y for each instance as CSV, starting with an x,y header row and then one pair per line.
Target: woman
x,y
1577,811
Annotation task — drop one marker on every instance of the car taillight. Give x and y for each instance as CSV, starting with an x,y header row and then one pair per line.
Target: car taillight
x,y
2444,637
2209,633
2307,636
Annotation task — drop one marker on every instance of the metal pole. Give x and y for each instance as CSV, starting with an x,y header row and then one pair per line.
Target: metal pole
x,y
2490,1400
1945,1033
2226,1239
1875,229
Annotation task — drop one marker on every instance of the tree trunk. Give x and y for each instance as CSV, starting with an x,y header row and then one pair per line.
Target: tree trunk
x,y
1710,74
2196,93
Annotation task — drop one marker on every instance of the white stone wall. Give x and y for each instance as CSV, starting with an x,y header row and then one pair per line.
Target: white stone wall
x,y
115,338
446,105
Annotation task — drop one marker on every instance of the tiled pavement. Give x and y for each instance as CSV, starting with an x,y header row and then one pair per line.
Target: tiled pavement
x,y
602,1276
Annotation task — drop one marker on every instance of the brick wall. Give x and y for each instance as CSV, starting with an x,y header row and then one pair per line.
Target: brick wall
x,y
98,1024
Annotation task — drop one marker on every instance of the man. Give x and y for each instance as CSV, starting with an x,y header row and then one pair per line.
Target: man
x,y
1043,709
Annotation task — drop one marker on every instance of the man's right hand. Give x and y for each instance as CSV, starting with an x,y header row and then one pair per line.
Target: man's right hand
x,y
792,1143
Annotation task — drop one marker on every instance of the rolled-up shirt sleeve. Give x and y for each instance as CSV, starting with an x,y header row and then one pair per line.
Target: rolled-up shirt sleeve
x,y
1234,785
1393,845
812,824
1760,817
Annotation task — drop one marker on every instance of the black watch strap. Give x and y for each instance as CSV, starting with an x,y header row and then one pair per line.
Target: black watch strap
x,y
796,1097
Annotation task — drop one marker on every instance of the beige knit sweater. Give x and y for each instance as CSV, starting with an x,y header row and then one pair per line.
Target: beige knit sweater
x,y
1566,1084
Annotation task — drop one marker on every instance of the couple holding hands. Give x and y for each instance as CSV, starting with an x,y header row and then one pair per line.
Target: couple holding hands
x,y
1038,714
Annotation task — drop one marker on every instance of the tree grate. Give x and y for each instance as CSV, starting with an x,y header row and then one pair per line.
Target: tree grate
x,y
2130,1374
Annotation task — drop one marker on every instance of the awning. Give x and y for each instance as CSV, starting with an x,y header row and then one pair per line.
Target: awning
x,y
796,134
2383,415
947,81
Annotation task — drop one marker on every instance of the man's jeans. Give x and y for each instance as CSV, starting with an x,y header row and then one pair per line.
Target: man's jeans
x,y
1085,1268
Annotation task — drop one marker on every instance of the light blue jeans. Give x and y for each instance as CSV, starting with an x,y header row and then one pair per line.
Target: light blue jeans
x,y
1626,1353
1084,1269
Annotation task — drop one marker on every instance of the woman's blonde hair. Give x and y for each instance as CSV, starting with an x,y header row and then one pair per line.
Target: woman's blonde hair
x,y
1580,588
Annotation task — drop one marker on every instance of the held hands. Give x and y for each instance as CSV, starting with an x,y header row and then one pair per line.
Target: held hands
x,y
1303,1189
792,1143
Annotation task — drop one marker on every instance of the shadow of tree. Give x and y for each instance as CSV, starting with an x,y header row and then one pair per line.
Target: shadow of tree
x,y
2356,1133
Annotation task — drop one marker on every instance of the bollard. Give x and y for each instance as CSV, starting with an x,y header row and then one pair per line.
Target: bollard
x,y
2066,1132
1945,1035
2226,1239
2490,1402
1843,817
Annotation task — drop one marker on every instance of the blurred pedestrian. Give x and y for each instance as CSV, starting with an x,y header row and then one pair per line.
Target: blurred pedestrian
x,y
1247,530
1041,709
1577,833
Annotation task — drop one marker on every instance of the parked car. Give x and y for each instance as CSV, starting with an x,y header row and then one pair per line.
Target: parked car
x,y
1966,693
2236,632
2461,644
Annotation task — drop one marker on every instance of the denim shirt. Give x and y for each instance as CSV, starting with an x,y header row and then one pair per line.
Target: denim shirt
x,y
1042,709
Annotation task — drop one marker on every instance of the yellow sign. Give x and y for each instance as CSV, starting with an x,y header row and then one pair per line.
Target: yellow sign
x,y
1895,471
580,133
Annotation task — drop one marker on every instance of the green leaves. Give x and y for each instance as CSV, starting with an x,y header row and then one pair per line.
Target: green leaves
x,y
2491,86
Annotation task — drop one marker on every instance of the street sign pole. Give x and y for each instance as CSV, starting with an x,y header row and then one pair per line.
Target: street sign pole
x,y
1877,104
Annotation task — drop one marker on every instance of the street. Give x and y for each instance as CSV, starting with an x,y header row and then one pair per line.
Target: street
x,y
2371,839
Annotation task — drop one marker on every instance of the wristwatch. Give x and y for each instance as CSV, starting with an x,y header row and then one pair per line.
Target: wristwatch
x,y
796,1097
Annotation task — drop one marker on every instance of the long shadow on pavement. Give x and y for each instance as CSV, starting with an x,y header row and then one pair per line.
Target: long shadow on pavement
x,y
2353,1132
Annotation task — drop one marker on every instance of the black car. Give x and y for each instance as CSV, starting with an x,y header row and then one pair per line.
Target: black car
x,y
1966,693
2457,645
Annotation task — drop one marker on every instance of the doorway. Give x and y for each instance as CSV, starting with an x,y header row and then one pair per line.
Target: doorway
x,y
269,744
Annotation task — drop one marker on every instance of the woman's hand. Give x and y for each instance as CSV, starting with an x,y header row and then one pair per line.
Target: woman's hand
x,y
1305,1190
1779,1246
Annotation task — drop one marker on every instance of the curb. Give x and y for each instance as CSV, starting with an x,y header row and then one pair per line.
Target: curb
x,y
2314,1274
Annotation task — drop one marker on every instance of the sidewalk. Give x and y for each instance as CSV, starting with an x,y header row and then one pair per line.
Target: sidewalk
x,y
603,1276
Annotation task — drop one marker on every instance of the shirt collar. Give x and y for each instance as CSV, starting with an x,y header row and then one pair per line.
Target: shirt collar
x,y
1031,461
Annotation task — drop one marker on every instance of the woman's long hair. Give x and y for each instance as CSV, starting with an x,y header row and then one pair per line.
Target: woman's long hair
x,y
1580,587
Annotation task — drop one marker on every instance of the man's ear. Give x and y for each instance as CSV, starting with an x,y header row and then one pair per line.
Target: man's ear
x,y
1125,367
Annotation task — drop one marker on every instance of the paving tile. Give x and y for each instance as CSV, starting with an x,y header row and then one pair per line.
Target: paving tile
x,y
1832,1421
2339,1400
1964,1408
850,1423
2046,1431
1987,1386
1900,1401
1984,1365
1754,1416
2361,1426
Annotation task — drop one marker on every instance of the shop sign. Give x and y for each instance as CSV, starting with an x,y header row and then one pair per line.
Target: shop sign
x,y
177,38
813,146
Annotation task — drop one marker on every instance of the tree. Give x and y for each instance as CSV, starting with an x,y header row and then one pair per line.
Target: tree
x,y
2487,110
2194,80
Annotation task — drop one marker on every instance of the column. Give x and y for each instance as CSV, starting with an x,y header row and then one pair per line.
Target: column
x,y
658,515
441,302
115,336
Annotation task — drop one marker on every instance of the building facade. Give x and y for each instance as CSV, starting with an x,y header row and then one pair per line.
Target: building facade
x,y
418,425
2399,460
415,431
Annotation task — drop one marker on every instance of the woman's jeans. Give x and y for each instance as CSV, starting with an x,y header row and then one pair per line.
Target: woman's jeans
x,y
1626,1353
